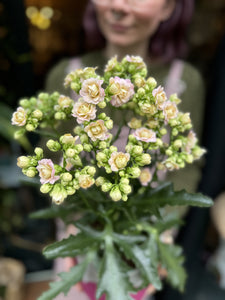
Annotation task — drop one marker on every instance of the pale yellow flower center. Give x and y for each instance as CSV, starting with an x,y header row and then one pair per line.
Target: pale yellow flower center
x,y
121,161
84,109
93,90
46,171
96,129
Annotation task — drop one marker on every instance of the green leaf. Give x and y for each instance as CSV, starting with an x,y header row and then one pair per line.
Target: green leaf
x,y
113,277
53,212
144,257
70,247
172,260
165,195
68,279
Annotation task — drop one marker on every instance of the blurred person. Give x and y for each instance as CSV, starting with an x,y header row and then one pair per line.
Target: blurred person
x,y
155,30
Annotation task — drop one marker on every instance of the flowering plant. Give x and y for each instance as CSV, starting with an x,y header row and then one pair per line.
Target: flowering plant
x,y
105,176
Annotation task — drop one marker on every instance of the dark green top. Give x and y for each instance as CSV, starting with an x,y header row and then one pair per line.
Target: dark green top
x,y
192,101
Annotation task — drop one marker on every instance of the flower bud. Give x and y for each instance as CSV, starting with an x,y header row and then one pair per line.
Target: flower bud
x,y
84,138
141,92
100,181
163,131
79,148
115,194
58,194
25,103
31,172
88,147
67,177
23,162
70,190
37,113
101,157
39,152
102,145
189,159
137,150
177,144
70,152
46,188
144,159
106,187
53,146
91,171
30,127
152,82
125,188
124,180
109,124
102,104
59,115
134,172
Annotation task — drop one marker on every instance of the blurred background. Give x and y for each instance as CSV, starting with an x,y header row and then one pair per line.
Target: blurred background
x,y
34,35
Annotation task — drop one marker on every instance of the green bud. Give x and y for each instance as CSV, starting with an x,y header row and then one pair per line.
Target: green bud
x,y
144,159
134,172
124,197
102,116
175,132
75,86
124,180
31,172
125,188
115,194
109,124
88,147
59,115
91,171
113,149
152,82
169,152
177,144
102,104
25,103
23,162
141,92
70,190
43,96
101,157
102,145
30,127
100,181
53,146
79,148
37,113
84,138
189,159
77,130
106,187
137,150
46,188
58,194
39,152
67,177
163,131
70,152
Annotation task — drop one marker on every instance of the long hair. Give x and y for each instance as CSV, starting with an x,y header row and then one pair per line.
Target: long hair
x,y
167,43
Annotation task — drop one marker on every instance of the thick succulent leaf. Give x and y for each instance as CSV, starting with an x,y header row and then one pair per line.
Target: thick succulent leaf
x,y
70,247
172,260
54,211
144,257
68,279
113,280
165,195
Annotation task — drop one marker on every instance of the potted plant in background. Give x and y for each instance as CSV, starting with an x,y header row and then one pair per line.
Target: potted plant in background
x,y
103,177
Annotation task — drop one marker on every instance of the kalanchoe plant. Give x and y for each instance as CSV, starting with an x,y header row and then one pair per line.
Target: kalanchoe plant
x,y
105,177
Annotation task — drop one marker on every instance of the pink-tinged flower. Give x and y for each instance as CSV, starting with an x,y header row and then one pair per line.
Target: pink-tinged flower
x,y
170,110
121,89
137,60
145,177
111,64
85,181
19,117
118,160
47,171
134,123
145,135
170,164
97,130
91,91
160,97
191,141
64,101
83,111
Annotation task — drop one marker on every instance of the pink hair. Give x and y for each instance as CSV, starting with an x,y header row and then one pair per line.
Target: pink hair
x,y
168,42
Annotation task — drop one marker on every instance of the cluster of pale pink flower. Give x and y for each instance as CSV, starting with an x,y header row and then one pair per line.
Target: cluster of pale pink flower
x,y
159,135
